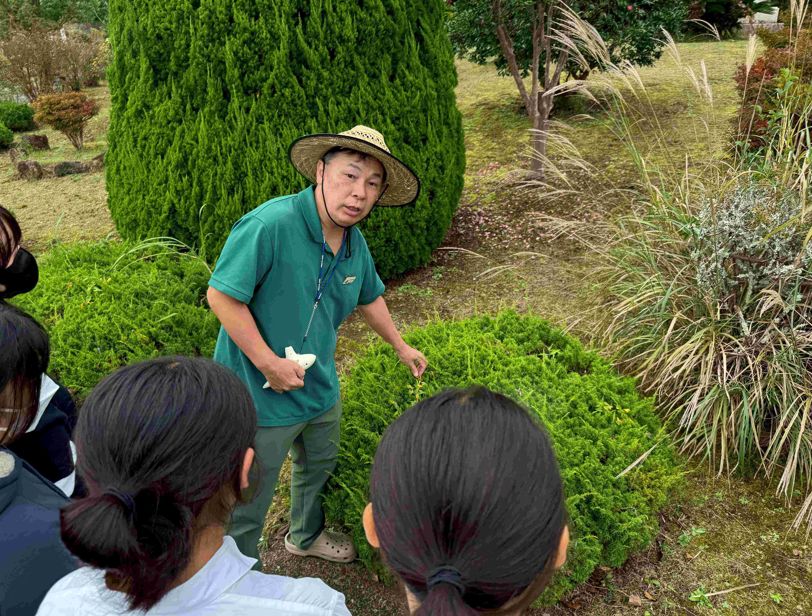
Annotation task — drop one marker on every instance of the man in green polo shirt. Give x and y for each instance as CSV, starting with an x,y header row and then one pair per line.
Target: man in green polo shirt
x,y
289,274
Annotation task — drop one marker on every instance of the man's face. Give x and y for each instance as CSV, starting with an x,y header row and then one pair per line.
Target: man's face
x,y
352,184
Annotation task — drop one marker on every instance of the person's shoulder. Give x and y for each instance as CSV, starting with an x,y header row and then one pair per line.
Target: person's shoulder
x,y
272,212
76,593
291,595
358,240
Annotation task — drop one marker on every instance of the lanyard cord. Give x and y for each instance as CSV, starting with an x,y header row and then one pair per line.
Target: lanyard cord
x,y
320,289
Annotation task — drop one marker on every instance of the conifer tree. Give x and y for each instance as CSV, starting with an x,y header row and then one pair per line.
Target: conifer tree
x,y
207,96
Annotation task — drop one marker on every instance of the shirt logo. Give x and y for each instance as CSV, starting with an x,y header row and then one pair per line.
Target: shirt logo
x,y
349,280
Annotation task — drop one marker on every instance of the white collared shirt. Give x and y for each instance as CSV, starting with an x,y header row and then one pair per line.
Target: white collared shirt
x,y
225,585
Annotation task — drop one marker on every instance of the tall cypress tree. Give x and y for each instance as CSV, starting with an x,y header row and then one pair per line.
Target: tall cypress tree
x,y
207,95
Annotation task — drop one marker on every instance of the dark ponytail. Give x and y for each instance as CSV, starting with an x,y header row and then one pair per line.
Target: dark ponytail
x,y
468,503
161,447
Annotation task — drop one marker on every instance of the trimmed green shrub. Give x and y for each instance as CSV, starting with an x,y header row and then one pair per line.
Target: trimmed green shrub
x,y
108,304
207,97
6,136
598,423
17,116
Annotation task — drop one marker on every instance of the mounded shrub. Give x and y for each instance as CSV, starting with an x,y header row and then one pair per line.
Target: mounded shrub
x,y
17,116
108,304
598,423
6,136
207,97
67,112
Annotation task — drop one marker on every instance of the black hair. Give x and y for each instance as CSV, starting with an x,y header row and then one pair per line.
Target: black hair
x,y
466,483
24,354
161,446
10,236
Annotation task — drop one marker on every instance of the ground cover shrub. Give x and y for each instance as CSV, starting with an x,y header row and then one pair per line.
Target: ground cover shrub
x,y
17,116
107,304
6,136
207,97
68,112
598,423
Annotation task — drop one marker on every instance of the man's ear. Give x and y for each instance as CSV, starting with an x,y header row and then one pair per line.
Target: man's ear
x,y
319,171
369,527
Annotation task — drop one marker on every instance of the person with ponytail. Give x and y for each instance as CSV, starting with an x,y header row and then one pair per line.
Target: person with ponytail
x,y
166,450
32,556
467,505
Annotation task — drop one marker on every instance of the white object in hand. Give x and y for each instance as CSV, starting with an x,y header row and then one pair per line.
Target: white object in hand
x,y
305,360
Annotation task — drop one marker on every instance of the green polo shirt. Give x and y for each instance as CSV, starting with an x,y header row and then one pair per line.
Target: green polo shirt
x,y
271,263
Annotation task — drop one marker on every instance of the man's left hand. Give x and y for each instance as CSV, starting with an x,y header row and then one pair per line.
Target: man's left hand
x,y
413,358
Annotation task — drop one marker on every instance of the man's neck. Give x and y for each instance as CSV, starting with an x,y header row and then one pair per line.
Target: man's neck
x,y
333,233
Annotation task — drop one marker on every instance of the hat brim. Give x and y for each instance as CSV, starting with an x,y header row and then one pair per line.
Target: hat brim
x,y
403,185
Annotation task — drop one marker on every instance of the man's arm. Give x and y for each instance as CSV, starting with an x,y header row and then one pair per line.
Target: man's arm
x,y
236,318
377,316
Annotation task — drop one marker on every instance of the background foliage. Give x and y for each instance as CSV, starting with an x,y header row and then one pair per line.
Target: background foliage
x,y
631,30
206,101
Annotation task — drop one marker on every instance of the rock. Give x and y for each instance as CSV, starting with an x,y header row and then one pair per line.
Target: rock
x,y
70,168
97,163
635,600
36,142
29,170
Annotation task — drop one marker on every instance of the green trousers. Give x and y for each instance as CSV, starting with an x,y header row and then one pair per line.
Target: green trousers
x,y
313,446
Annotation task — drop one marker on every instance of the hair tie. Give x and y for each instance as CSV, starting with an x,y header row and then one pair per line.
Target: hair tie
x,y
125,499
445,575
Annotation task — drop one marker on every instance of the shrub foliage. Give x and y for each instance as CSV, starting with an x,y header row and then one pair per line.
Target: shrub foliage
x,y
206,100
17,116
6,136
107,304
68,113
597,421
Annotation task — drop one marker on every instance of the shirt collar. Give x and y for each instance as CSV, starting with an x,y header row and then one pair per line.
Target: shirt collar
x,y
224,569
307,203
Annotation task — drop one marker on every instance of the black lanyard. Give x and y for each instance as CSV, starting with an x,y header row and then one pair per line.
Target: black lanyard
x,y
322,287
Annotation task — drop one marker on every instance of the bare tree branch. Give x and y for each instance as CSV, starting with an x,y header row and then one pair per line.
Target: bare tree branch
x,y
507,48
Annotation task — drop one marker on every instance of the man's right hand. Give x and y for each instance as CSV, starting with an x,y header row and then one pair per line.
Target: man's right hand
x,y
284,375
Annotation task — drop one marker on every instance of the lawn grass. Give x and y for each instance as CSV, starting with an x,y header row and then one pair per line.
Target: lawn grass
x,y
63,209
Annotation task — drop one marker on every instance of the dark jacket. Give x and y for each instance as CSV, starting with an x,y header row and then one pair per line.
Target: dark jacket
x,y
47,445
32,556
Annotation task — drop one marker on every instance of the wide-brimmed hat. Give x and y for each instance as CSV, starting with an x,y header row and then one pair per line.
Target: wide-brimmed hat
x,y
403,185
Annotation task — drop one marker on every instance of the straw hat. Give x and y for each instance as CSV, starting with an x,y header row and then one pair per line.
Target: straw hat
x,y
403,186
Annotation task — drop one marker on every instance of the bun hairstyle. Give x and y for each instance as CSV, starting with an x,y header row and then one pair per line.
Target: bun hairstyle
x,y
161,446
468,503
24,355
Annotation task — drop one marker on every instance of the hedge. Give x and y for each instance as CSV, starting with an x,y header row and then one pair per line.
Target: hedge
x,y
207,97
598,422
107,304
